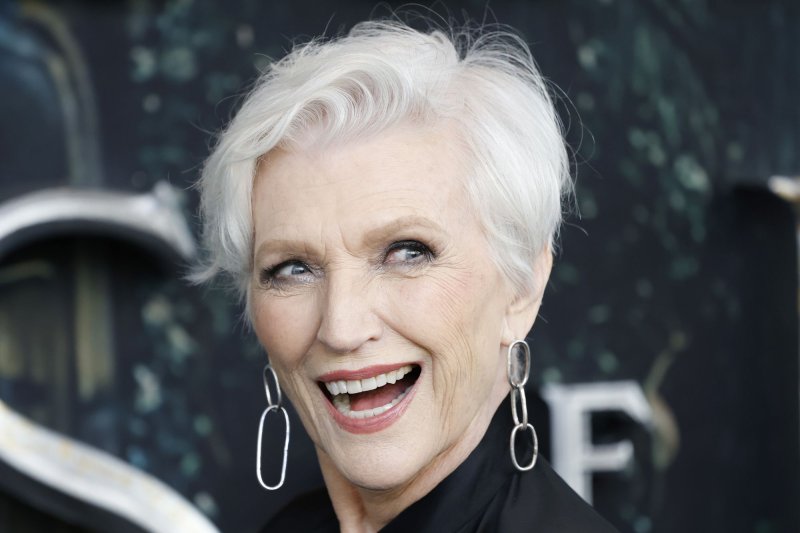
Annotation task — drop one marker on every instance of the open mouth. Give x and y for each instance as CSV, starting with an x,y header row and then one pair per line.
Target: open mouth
x,y
372,396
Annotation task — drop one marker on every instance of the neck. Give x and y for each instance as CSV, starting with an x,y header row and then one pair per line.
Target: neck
x,y
362,510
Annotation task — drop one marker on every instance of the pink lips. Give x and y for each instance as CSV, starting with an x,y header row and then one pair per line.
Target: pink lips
x,y
362,373
375,423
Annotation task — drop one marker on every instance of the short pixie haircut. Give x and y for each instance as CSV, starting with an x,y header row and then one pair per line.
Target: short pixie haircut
x,y
383,74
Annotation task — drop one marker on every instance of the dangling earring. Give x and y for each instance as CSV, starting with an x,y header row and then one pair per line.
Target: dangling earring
x,y
272,407
518,371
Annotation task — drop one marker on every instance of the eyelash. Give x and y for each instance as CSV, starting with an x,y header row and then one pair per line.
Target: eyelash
x,y
415,246
269,276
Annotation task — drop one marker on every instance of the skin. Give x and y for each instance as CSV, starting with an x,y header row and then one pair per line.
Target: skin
x,y
337,285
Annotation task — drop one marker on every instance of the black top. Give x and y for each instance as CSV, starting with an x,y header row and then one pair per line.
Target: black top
x,y
485,494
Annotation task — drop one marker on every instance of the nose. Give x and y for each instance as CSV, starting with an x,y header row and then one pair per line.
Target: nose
x,y
349,318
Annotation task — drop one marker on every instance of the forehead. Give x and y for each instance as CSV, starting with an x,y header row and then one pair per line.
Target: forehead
x,y
405,171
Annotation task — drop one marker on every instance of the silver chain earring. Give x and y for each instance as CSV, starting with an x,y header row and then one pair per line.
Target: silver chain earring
x,y
272,406
518,371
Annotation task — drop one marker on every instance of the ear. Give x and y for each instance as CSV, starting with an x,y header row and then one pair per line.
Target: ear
x,y
523,308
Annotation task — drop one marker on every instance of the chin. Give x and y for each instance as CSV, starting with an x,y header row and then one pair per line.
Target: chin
x,y
386,450
383,469
386,480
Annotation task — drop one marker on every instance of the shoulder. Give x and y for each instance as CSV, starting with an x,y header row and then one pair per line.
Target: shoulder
x,y
311,512
541,497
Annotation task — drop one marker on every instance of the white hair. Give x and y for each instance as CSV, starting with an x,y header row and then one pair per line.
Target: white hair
x,y
382,74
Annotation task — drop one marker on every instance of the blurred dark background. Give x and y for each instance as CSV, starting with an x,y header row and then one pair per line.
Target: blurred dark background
x,y
680,273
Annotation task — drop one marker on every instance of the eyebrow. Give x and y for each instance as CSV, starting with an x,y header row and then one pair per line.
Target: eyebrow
x,y
400,224
393,227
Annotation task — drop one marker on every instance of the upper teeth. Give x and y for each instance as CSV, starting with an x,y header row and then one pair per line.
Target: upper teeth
x,y
367,384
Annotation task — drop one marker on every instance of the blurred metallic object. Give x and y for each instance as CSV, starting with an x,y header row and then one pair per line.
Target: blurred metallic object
x,y
575,456
787,188
54,473
57,314
151,218
96,477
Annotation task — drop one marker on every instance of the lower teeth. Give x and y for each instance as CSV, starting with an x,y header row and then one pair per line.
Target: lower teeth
x,y
342,404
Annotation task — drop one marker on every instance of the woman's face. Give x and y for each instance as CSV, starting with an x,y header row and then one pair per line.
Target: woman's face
x,y
372,273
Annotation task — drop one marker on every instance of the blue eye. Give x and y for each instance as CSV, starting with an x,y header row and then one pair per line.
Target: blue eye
x,y
286,273
292,269
408,252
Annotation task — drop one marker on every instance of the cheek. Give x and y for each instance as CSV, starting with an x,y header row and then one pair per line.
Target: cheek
x,y
285,327
454,316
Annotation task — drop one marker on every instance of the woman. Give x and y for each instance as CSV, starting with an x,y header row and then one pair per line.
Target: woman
x,y
386,204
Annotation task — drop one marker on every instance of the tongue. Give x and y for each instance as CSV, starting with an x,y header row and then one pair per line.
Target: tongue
x,y
378,397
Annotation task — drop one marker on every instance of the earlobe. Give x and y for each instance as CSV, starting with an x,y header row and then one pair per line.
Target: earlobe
x,y
506,335
522,308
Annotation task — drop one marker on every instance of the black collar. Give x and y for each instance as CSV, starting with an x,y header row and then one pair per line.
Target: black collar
x,y
468,491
